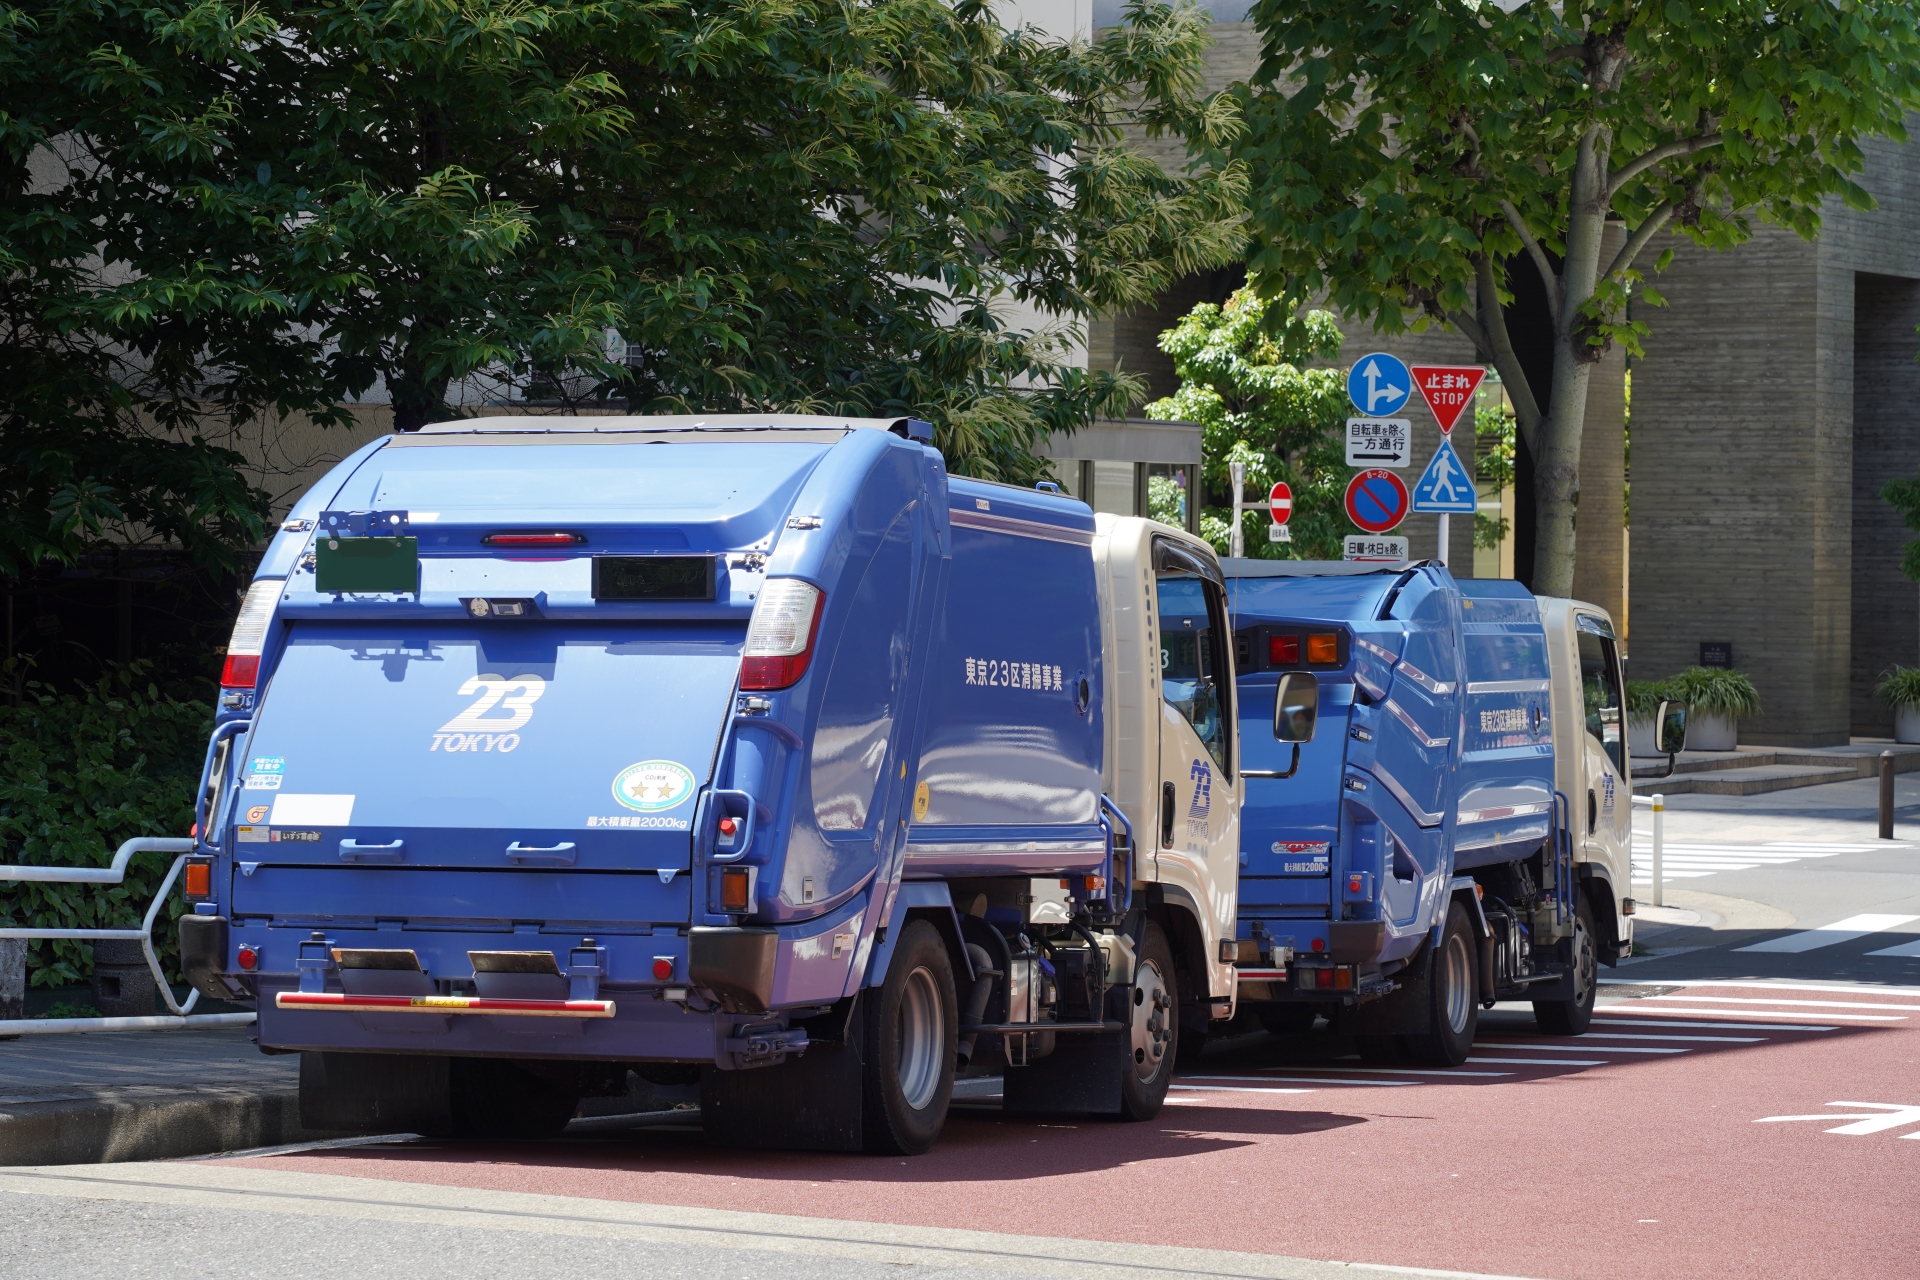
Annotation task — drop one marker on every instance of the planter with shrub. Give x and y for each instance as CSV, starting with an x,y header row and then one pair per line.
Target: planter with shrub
x,y
1643,704
1899,688
1718,699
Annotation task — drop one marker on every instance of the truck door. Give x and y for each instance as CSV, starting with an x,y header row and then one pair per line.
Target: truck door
x,y
1199,836
1603,810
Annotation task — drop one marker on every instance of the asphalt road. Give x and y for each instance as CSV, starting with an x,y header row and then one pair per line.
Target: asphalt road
x,y
1733,1112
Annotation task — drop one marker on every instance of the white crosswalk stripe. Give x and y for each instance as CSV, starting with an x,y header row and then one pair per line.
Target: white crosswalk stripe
x,y
1830,934
1683,861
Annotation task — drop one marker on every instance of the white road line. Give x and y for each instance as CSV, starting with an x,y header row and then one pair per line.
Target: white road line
x,y
1849,988
1618,1035
1767,1013
1283,1079
1227,1088
1818,1004
1541,1062
1744,1026
1827,935
1905,950
1571,1048
1402,1071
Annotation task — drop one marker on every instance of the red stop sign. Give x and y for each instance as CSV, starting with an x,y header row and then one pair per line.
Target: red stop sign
x,y
1280,502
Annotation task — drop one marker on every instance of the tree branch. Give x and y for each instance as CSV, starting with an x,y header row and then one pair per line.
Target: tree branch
x,y
1649,227
1665,151
1548,278
1500,347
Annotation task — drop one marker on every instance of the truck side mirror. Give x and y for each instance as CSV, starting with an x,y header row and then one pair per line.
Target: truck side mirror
x,y
1296,707
1670,728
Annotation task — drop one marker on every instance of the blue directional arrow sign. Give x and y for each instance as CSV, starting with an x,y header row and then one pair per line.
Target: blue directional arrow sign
x,y
1444,488
1379,384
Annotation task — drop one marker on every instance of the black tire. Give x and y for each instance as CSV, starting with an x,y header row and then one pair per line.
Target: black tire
x,y
1573,1017
1453,990
1288,1019
1153,1042
912,1030
494,1098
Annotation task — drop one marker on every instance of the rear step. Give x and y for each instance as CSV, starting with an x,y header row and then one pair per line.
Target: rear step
x,y
340,1002
526,984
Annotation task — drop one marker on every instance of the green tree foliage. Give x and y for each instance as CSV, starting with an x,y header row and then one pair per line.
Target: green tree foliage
x,y
1406,157
213,211
1241,379
81,772
1493,435
1904,496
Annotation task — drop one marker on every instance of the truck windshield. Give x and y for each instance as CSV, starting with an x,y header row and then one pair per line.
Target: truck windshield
x,y
1600,686
1188,662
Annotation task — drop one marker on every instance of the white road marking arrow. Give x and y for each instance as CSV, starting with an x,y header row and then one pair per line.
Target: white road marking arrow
x,y
1887,1115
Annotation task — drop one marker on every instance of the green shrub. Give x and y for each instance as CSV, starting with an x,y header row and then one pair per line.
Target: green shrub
x,y
1900,687
80,772
1715,691
1645,696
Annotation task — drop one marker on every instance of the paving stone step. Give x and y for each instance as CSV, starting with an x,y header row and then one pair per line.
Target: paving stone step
x,y
1749,781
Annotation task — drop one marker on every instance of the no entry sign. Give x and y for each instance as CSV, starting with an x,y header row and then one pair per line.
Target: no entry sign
x,y
1376,500
1448,389
1280,502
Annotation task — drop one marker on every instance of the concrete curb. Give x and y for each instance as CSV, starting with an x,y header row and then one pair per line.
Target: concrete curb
x,y
112,1126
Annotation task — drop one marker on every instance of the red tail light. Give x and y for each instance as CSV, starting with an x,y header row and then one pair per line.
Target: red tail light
x,y
533,539
240,671
1283,651
786,621
242,667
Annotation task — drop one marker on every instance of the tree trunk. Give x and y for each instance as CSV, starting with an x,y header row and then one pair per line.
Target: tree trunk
x,y
1556,475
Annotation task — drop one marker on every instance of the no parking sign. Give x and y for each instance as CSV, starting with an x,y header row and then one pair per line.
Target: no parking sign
x,y
1377,500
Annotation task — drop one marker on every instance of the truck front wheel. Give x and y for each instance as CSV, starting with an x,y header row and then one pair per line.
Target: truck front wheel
x,y
912,1034
1573,1017
1153,1019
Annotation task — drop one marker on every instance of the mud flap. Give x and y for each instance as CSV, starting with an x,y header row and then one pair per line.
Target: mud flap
x,y
1081,1075
812,1102
1408,1011
375,1092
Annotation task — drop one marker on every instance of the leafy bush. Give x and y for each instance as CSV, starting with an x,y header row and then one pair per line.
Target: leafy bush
x,y
1715,691
80,772
1645,696
1900,687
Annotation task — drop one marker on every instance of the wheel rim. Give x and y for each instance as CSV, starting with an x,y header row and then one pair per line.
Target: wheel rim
x,y
1586,963
917,1040
1459,978
1152,1020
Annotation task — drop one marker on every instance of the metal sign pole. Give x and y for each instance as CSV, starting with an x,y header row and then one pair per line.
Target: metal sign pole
x,y
1236,540
1444,531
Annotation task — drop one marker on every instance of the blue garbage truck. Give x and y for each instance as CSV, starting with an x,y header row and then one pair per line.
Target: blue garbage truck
x,y
752,752
1439,815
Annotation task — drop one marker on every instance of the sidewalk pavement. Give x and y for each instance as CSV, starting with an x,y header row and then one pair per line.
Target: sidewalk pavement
x,y
144,1095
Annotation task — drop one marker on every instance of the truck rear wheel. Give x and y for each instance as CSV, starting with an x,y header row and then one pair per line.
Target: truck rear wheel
x,y
1453,989
912,1033
1573,1017
1153,1017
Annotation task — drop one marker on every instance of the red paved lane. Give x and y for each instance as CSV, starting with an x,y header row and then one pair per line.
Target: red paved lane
x,y
1651,1165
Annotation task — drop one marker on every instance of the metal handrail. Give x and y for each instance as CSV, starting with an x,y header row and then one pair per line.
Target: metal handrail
x,y
1657,803
114,874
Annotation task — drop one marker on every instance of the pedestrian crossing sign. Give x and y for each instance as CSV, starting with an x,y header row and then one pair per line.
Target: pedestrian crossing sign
x,y
1443,488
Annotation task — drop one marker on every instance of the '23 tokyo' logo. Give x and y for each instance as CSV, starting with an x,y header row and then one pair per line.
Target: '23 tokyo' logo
x,y
475,730
1202,774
